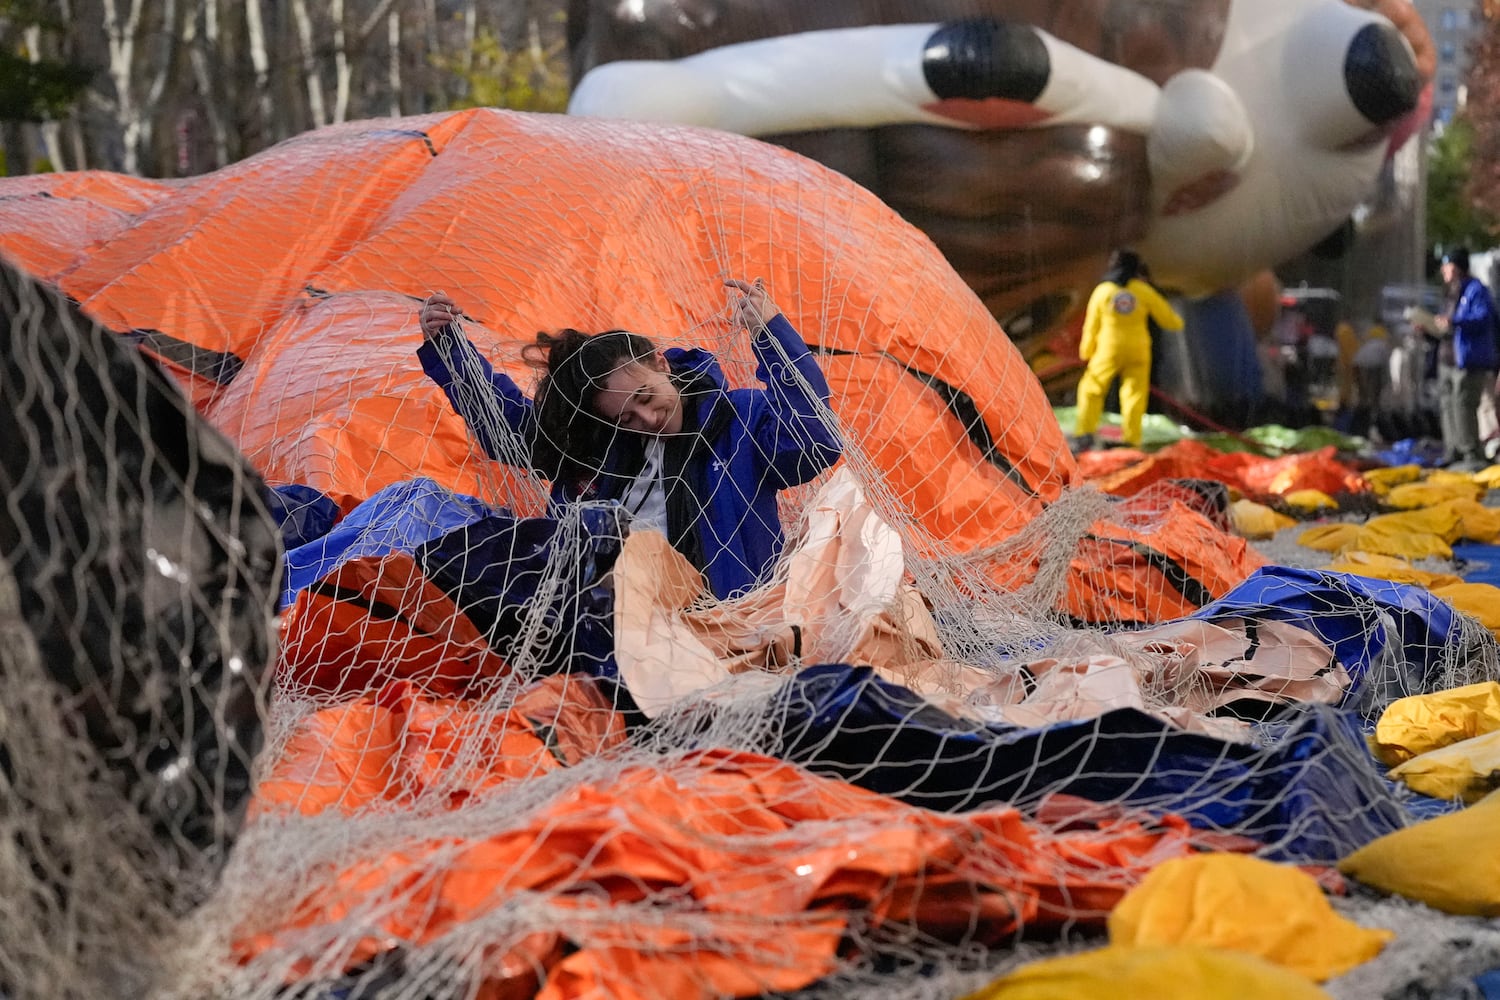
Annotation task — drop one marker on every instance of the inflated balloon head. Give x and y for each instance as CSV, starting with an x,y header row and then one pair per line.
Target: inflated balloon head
x,y
1254,132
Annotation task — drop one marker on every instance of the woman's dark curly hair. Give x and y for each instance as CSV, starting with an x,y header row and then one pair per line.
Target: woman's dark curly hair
x,y
572,440
1124,265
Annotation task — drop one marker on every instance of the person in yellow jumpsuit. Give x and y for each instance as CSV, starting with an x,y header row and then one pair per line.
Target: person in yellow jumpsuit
x,y
1117,342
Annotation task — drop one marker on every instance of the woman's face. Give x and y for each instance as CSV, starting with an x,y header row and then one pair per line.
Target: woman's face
x,y
639,396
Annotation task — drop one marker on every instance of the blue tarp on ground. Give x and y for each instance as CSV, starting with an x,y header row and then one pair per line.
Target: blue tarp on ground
x,y
397,519
1413,451
1488,985
1479,563
303,513
533,586
1392,638
497,568
1307,788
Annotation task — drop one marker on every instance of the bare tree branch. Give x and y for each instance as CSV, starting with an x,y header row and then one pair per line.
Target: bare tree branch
x,y
373,21
255,28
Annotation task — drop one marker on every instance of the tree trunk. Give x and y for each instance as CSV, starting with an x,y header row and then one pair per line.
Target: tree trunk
x,y
199,46
51,131
513,19
255,31
471,35
13,144
163,64
341,68
121,33
310,75
77,142
432,87
393,36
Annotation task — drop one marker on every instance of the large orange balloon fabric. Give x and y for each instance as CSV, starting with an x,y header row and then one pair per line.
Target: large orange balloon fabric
x,y
307,263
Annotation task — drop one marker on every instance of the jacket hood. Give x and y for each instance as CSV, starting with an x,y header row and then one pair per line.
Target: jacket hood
x,y
693,365
700,378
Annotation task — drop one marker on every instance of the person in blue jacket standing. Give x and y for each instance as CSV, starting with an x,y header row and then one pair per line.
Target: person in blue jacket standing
x,y
659,432
1468,357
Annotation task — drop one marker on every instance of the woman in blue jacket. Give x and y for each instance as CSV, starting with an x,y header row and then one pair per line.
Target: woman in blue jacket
x,y
1468,358
659,431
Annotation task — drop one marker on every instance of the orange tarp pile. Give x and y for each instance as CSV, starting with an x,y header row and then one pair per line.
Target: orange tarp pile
x,y
713,848
282,292
1130,473
334,641
1161,555
399,746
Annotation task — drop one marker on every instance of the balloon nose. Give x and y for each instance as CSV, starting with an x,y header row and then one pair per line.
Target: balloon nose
x,y
1380,72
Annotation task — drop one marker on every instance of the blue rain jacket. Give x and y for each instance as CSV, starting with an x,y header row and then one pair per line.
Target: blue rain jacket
x,y
739,447
1475,328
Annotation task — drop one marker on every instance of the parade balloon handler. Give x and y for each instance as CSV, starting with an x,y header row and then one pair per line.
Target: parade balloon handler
x,y
1468,356
1117,342
658,431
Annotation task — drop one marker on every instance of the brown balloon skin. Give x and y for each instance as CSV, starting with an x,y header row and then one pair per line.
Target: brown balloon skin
x,y
1031,259
1026,217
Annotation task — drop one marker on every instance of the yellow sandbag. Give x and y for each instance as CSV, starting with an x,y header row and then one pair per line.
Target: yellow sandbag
x,y
1411,535
1415,534
1438,519
1182,973
1254,520
1310,501
1476,522
1468,770
1451,863
1329,537
1391,568
1383,480
1488,478
1429,494
1478,600
1441,520
1244,904
1407,544
1446,477
1420,723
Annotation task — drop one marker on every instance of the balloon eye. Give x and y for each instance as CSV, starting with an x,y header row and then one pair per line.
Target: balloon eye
x,y
1340,101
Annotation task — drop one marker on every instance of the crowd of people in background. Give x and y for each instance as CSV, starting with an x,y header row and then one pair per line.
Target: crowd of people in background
x,y
1406,373
1422,372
